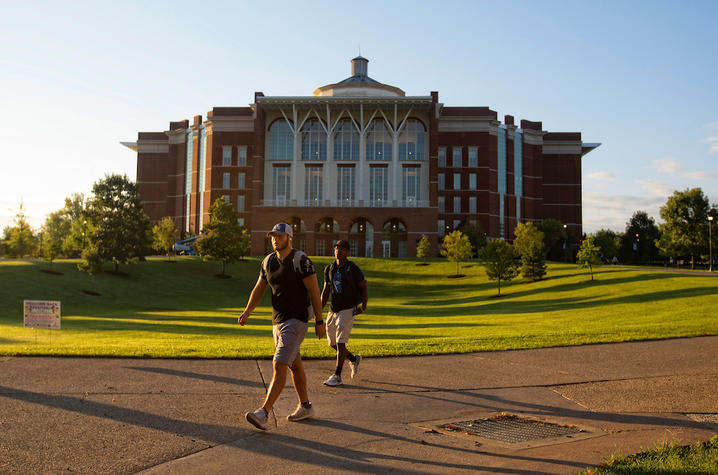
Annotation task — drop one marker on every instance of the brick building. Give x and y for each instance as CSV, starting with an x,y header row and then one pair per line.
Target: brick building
x,y
360,160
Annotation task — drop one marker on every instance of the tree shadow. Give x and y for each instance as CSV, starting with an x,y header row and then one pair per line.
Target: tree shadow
x,y
205,377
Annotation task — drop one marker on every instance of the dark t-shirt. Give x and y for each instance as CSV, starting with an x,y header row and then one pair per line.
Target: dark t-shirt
x,y
290,298
345,293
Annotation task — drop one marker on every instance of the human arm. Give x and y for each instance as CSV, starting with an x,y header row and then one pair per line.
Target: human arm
x,y
310,282
364,296
326,291
254,298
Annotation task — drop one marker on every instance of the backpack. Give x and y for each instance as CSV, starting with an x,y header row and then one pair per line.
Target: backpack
x,y
350,265
296,263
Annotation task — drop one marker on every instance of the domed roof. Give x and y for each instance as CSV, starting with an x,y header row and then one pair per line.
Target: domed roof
x,y
359,84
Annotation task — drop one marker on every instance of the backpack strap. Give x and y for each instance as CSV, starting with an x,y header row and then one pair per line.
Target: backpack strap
x,y
297,261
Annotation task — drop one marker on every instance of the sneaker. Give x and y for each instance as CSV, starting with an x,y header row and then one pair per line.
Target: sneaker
x,y
355,365
258,418
301,413
334,380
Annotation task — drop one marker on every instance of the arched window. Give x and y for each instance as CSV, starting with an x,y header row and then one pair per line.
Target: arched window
x,y
395,225
346,141
327,225
411,141
314,141
362,226
297,224
378,141
281,141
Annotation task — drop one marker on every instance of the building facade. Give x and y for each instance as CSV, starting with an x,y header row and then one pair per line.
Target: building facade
x,y
359,160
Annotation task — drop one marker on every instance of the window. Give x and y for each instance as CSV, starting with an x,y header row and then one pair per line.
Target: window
x,y
240,203
226,198
441,201
518,171
353,247
346,141
472,204
281,181
241,181
202,158
457,181
313,186
457,223
473,157
457,204
320,247
378,185
501,172
225,180
440,181
240,221
472,181
442,157
410,185
188,177
441,227
456,158
378,141
281,141
411,141
345,186
242,162
226,156
314,141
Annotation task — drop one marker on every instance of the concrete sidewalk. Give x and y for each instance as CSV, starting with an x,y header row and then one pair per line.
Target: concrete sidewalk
x,y
62,415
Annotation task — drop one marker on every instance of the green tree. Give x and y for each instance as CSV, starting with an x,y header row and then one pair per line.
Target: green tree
x,y
223,238
589,254
500,260
638,243
554,237
163,234
423,247
529,244
54,233
19,240
476,236
609,242
456,248
685,226
117,228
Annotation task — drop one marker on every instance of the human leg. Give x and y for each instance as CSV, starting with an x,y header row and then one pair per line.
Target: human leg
x,y
299,379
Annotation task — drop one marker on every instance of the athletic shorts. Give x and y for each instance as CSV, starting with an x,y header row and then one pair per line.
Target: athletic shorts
x,y
288,337
339,326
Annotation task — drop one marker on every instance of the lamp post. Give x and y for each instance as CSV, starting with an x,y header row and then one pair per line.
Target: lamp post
x,y
710,244
565,241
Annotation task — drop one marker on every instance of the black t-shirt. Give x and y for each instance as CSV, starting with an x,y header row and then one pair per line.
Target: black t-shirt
x,y
344,284
290,298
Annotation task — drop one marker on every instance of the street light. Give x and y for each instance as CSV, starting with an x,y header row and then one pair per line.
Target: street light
x,y
710,244
565,240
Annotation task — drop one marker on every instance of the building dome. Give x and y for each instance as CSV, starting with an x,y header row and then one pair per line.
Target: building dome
x,y
359,84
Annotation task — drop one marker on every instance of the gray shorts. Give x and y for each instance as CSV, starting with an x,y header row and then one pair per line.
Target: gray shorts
x,y
288,337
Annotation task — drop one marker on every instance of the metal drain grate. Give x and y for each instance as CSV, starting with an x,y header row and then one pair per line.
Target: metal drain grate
x,y
511,429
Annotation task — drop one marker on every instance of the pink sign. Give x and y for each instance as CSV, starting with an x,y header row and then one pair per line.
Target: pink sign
x,y
41,314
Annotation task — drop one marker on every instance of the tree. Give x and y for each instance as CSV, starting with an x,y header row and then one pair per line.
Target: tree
x,y
164,235
19,240
554,237
476,236
589,254
685,226
54,232
638,243
423,248
117,228
223,238
609,242
457,248
529,244
500,260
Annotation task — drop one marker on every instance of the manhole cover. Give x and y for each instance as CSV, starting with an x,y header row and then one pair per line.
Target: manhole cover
x,y
511,429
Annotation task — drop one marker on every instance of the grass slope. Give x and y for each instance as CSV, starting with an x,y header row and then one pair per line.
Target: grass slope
x,y
182,310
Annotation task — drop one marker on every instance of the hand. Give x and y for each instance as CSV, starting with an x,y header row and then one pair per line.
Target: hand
x,y
243,318
360,309
320,330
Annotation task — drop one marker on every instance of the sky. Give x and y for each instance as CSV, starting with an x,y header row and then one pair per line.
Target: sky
x,y
641,78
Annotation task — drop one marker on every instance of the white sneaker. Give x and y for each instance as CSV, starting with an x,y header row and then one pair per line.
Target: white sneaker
x,y
334,380
355,365
258,418
301,413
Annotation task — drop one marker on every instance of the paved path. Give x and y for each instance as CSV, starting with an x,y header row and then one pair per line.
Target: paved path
x,y
61,415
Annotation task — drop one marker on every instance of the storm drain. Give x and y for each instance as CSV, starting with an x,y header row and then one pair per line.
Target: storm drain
x,y
511,429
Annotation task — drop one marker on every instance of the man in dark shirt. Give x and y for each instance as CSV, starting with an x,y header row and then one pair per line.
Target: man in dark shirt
x,y
291,276
345,283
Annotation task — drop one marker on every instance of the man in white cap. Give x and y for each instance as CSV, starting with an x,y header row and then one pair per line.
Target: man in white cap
x,y
291,276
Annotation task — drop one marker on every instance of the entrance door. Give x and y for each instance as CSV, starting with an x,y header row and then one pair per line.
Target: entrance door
x,y
386,249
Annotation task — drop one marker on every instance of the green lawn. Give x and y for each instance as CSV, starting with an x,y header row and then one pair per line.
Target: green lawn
x,y
182,310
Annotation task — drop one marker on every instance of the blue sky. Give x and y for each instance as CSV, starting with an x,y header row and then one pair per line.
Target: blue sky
x,y
76,78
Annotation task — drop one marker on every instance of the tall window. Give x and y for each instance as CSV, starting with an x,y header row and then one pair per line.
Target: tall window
x,y
188,177
411,141
313,186
378,185
518,171
240,203
472,181
457,204
241,181
378,141
473,157
456,157
225,180
281,141
201,171
441,227
281,182
226,156
410,185
242,161
345,185
442,157
346,141
314,141
440,181
501,172
472,204
457,181
441,201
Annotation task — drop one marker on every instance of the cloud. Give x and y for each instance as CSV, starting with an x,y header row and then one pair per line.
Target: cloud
x,y
700,175
607,211
656,188
713,147
602,176
668,166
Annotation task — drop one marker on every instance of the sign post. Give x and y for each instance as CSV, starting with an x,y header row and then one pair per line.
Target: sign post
x,y
41,314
